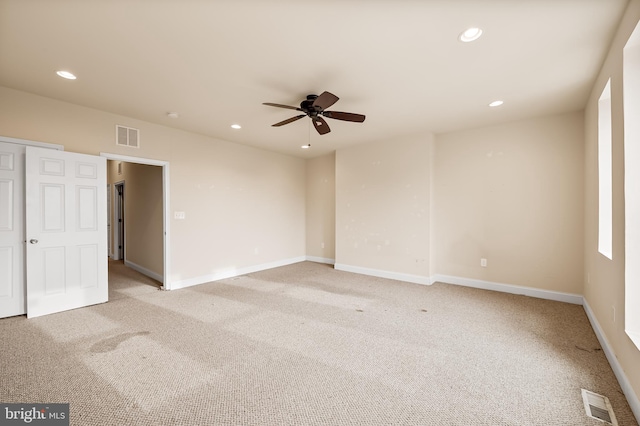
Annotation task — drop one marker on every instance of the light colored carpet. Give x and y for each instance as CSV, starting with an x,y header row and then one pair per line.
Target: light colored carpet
x,y
307,345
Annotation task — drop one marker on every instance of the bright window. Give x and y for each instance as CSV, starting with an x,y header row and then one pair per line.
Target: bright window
x,y
604,173
631,81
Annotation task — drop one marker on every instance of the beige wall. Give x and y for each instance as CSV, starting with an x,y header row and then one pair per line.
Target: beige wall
x,y
382,206
512,194
143,216
605,286
321,208
244,206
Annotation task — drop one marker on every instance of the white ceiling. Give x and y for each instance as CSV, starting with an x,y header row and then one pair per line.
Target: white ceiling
x,y
399,62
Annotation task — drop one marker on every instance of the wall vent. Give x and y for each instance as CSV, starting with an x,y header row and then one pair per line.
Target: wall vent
x,y
598,407
127,136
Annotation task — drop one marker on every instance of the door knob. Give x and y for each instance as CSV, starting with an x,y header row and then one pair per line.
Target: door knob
x,y
33,241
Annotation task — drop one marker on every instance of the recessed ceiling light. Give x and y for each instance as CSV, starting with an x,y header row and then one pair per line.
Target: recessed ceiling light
x,y
236,126
172,115
66,74
306,146
470,34
496,103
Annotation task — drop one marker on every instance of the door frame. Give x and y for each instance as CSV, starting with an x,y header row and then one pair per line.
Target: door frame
x,y
118,217
31,143
166,281
109,242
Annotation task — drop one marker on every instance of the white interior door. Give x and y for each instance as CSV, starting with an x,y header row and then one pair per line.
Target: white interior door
x,y
12,290
66,229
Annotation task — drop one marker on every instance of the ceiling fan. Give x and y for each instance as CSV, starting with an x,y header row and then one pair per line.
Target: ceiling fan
x,y
314,107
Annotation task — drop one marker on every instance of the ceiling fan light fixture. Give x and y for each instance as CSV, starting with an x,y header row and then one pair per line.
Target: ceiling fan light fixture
x,y
470,34
172,115
307,146
236,126
66,74
496,103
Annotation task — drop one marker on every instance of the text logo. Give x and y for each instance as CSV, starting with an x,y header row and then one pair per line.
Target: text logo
x,y
34,414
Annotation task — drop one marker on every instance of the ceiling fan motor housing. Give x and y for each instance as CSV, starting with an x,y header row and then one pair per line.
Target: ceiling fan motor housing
x,y
308,107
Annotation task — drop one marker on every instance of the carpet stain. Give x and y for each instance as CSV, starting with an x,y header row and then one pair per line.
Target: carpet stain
x,y
110,344
359,310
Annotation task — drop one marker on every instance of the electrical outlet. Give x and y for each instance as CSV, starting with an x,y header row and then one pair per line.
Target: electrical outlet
x,y
613,313
483,262
321,245
179,215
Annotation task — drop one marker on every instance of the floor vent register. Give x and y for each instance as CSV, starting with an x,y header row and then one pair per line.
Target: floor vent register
x,y
598,407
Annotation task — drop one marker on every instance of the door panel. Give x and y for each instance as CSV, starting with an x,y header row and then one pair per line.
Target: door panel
x,y
6,208
88,265
6,276
12,293
87,205
52,202
53,260
66,231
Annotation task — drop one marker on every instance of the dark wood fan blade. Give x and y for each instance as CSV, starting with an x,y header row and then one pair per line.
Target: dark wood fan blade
x,y
281,106
321,125
345,116
290,120
325,100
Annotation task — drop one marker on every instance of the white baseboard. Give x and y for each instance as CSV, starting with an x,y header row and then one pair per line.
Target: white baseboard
x,y
631,396
575,299
321,260
416,279
144,271
233,272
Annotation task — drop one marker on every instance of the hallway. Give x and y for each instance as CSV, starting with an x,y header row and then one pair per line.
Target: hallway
x,y
126,282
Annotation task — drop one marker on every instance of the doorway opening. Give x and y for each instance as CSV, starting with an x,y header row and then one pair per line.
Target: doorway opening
x,y
140,217
118,220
